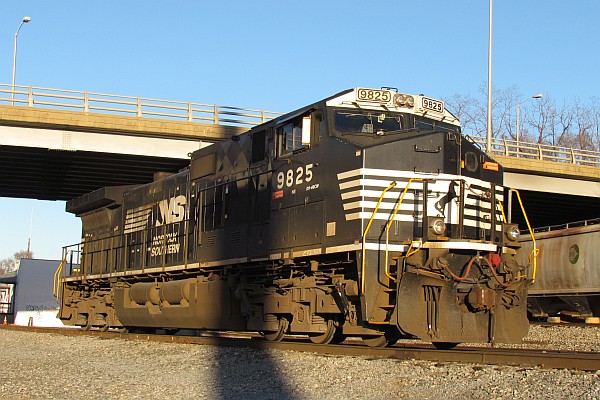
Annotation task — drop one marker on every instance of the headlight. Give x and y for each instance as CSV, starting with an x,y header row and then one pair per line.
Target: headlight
x,y
404,100
399,99
438,226
512,232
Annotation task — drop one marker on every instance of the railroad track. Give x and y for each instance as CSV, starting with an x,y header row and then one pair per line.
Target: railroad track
x,y
565,323
551,359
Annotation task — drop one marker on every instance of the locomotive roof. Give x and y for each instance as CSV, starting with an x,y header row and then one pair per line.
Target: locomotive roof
x,y
102,197
303,110
385,99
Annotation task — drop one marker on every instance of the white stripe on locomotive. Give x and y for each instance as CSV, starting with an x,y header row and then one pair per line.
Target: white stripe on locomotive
x,y
476,200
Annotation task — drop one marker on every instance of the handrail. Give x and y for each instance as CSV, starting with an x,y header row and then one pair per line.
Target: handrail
x,y
364,237
140,107
87,255
539,151
57,274
501,210
534,253
389,224
568,225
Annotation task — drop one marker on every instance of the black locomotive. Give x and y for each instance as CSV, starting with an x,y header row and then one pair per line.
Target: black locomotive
x,y
365,214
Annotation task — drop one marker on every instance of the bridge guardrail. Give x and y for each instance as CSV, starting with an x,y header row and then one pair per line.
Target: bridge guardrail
x,y
576,224
537,151
60,99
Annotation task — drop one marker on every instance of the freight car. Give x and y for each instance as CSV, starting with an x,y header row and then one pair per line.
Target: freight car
x,y
568,281
364,214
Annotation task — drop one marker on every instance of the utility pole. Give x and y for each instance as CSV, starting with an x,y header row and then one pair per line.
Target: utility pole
x,y
29,240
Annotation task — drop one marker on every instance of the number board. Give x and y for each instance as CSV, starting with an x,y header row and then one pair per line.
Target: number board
x,y
373,95
432,104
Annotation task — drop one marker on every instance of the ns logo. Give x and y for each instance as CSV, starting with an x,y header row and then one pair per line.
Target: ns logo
x,y
171,210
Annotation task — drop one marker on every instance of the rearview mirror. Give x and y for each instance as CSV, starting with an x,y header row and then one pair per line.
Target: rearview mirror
x,y
306,129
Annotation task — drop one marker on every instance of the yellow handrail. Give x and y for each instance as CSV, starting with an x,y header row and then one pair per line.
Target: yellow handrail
x,y
57,273
501,210
387,229
364,238
534,253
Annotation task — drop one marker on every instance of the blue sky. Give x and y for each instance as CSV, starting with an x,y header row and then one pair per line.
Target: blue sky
x,y
280,55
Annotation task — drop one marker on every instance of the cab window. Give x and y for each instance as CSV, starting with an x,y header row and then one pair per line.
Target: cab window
x,y
360,121
258,146
289,137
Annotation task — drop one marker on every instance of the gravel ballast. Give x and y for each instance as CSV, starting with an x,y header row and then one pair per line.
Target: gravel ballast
x,y
50,366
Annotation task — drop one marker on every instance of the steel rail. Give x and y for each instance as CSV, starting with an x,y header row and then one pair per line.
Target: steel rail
x,y
548,359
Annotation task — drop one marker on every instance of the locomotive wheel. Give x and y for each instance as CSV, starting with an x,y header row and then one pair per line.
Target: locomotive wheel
x,y
377,341
276,336
338,336
325,337
141,330
389,338
445,345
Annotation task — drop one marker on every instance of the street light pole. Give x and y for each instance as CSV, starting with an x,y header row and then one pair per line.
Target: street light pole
x,y
488,147
535,96
14,68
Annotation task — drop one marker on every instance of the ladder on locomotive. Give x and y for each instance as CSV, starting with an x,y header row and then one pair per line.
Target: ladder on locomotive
x,y
389,291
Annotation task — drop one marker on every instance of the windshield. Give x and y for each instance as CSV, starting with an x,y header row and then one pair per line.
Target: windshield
x,y
367,121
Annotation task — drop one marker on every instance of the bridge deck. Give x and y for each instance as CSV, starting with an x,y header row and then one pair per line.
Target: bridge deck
x,y
96,122
549,168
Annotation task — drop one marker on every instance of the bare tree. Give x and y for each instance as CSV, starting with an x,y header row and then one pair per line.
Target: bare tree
x,y
563,125
472,112
595,119
464,107
504,102
582,139
11,264
575,124
542,120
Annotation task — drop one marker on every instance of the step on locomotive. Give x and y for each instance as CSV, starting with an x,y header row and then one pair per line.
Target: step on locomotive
x,y
366,214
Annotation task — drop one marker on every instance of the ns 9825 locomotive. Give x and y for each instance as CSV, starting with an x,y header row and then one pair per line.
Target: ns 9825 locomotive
x,y
365,214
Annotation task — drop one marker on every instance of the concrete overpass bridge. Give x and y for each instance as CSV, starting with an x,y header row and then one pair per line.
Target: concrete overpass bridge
x,y
58,144
562,183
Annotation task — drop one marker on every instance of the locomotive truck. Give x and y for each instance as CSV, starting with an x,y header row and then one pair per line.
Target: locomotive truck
x,y
365,214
